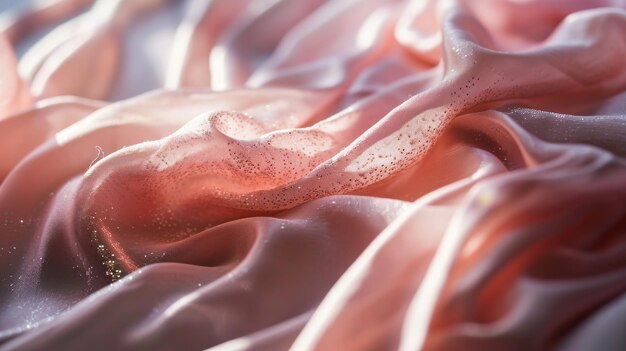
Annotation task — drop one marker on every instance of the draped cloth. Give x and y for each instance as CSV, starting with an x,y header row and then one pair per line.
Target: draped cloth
x,y
316,175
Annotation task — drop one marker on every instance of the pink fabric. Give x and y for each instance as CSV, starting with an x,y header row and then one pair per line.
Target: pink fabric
x,y
318,175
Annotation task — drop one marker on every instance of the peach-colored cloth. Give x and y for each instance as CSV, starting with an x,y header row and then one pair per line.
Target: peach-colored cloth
x,y
319,175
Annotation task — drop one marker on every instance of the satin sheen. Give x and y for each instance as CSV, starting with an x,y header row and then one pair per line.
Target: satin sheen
x,y
316,175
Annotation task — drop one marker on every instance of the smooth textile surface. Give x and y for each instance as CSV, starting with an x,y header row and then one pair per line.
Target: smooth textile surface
x,y
315,175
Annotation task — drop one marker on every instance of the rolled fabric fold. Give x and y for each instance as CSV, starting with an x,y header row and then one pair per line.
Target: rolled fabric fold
x,y
320,175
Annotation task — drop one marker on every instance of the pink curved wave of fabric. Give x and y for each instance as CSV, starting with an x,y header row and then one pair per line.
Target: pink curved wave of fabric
x,y
317,175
